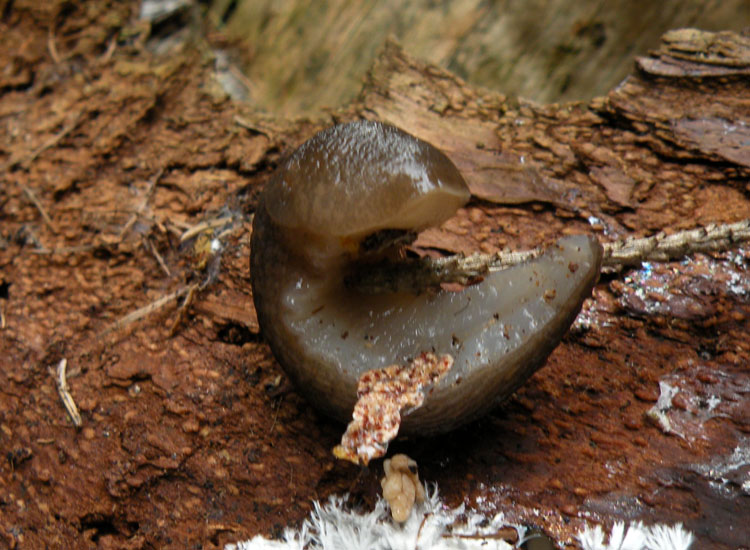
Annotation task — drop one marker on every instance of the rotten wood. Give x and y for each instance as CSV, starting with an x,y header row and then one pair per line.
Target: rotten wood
x,y
198,437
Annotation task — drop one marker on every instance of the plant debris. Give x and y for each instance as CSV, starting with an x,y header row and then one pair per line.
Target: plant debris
x,y
382,395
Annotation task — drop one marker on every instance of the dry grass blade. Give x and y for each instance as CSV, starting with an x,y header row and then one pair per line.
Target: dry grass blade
x,y
67,398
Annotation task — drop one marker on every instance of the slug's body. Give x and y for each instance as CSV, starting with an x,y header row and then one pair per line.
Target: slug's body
x,y
355,180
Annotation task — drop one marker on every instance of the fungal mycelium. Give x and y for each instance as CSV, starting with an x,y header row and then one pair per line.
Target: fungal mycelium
x,y
352,195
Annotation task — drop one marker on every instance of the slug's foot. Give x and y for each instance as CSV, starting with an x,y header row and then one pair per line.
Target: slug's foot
x,y
382,395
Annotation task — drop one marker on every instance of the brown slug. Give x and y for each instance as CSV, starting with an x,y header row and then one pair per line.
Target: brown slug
x,y
319,214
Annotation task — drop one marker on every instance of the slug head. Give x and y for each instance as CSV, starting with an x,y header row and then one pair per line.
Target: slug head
x,y
355,179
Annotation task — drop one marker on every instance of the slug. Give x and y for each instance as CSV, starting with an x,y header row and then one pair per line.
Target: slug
x,y
349,195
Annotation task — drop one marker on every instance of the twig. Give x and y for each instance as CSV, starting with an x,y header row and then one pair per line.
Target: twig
x,y
247,125
183,308
663,248
35,201
275,416
51,142
149,191
425,273
64,391
152,248
67,249
145,310
110,50
28,161
52,47
204,226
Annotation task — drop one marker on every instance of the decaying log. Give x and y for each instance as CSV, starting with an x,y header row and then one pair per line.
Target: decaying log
x,y
298,58
197,437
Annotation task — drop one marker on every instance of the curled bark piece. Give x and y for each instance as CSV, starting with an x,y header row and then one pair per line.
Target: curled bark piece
x,y
339,202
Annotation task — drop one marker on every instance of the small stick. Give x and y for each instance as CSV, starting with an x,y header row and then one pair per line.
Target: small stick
x,y
152,248
110,50
663,248
203,226
149,191
275,416
37,203
52,47
418,275
183,308
27,162
145,310
64,391
51,142
247,125
66,249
